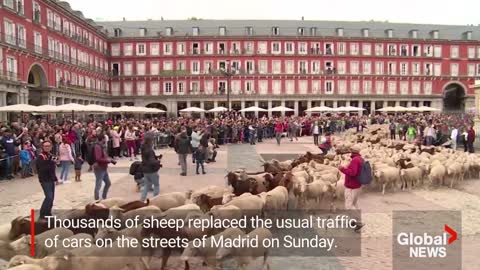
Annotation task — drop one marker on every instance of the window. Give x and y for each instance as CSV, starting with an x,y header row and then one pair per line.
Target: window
x,y
367,87
276,47
342,87
289,67
127,69
328,49
181,65
416,51
207,67
313,31
454,52
392,88
22,36
208,85
428,50
342,67
471,52
221,48
263,66
115,87
248,47
289,48
478,69
262,47
453,69
328,87
167,48
167,88
181,88
378,49
250,66
141,49
141,88
195,48
478,52
367,68
379,87
301,31
366,49
354,87
115,49
263,87
391,68
10,33
57,22
302,67
437,69
340,32
127,88
416,88
195,31
365,32
115,69
275,31
277,66
315,67
428,69
154,49
390,33
117,32
169,31
427,88
354,68
154,88
208,47
471,70
437,51
315,87
128,49
222,31
249,31
403,50
249,88
415,69
303,87
37,42
392,50
12,68
141,68
341,48
195,67
195,87
354,49
290,87
404,88
277,87
403,69
49,18
180,48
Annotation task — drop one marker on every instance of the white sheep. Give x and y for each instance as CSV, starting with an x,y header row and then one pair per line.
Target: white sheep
x,y
455,172
317,190
437,174
27,267
111,202
226,212
181,212
386,176
275,199
245,255
250,205
4,231
169,200
414,175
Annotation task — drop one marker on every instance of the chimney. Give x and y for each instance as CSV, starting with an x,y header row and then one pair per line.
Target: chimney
x,y
124,19
302,18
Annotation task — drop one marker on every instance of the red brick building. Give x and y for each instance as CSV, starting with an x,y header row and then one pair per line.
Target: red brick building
x,y
175,64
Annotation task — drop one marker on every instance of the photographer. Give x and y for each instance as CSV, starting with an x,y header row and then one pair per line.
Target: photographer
x,y
100,167
150,166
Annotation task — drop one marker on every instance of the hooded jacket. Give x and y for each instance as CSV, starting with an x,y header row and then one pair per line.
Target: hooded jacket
x,y
352,171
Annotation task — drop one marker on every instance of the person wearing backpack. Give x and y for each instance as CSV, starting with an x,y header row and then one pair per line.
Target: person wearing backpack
x,y
100,167
352,182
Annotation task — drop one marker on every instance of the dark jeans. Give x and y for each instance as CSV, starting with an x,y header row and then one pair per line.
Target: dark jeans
x,y
101,176
49,191
315,139
8,166
392,135
200,163
470,147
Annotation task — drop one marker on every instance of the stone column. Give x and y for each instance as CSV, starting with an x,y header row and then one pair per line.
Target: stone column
x,y
347,103
242,106
335,104
477,105
189,103
256,104
202,106
295,107
309,106
3,102
269,107
283,104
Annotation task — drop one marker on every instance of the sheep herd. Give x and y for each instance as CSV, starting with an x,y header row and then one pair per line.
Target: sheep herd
x,y
308,180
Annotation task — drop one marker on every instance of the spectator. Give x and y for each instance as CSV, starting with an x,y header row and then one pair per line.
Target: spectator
x,y
183,147
78,167
278,131
150,167
66,159
100,168
46,175
454,138
471,140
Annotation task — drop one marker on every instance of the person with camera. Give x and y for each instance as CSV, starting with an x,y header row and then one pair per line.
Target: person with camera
x,y
150,166
100,167
46,164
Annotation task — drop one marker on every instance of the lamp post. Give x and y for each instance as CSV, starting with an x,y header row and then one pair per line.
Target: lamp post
x,y
228,74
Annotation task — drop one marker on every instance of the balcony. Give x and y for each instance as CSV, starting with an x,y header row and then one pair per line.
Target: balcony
x,y
9,76
81,90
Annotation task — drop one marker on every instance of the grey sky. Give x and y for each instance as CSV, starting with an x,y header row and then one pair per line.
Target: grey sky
x,y
460,12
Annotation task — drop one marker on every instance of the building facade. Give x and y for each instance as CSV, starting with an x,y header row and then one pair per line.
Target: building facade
x,y
204,63
51,54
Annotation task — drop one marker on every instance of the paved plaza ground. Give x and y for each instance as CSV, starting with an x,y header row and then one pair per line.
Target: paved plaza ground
x,y
18,196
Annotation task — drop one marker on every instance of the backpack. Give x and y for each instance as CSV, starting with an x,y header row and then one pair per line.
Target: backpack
x,y
365,176
135,168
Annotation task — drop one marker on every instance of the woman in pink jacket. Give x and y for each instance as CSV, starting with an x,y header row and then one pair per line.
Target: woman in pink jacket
x,y
66,159
116,138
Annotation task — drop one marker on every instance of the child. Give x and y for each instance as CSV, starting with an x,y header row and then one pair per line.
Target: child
x,y
78,167
26,158
200,154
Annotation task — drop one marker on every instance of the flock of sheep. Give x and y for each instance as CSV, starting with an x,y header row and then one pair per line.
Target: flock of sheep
x,y
280,186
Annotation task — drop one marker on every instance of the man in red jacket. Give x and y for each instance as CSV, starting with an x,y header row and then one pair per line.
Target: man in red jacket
x,y
352,184
471,139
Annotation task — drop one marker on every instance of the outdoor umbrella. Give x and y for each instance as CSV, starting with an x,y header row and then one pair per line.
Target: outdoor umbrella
x,y
218,109
427,109
193,109
253,109
18,108
281,109
320,109
386,109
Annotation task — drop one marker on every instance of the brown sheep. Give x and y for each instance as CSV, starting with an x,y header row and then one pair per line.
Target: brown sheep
x,y
134,205
21,225
206,202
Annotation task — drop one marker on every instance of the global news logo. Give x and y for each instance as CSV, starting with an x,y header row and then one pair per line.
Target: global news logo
x,y
426,245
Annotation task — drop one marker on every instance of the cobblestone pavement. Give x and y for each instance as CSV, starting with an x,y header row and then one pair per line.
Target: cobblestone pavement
x,y
18,196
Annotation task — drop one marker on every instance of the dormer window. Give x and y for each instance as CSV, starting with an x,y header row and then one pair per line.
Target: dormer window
x,y
365,32
389,33
117,32
301,31
276,31
434,34
467,35
143,32
340,32
313,31
249,31
414,34
195,31
169,31
222,31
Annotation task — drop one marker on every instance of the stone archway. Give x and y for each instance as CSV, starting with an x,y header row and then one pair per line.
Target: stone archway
x,y
37,83
157,106
454,97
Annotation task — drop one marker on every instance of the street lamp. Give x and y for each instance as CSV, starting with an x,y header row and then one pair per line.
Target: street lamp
x,y
228,74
